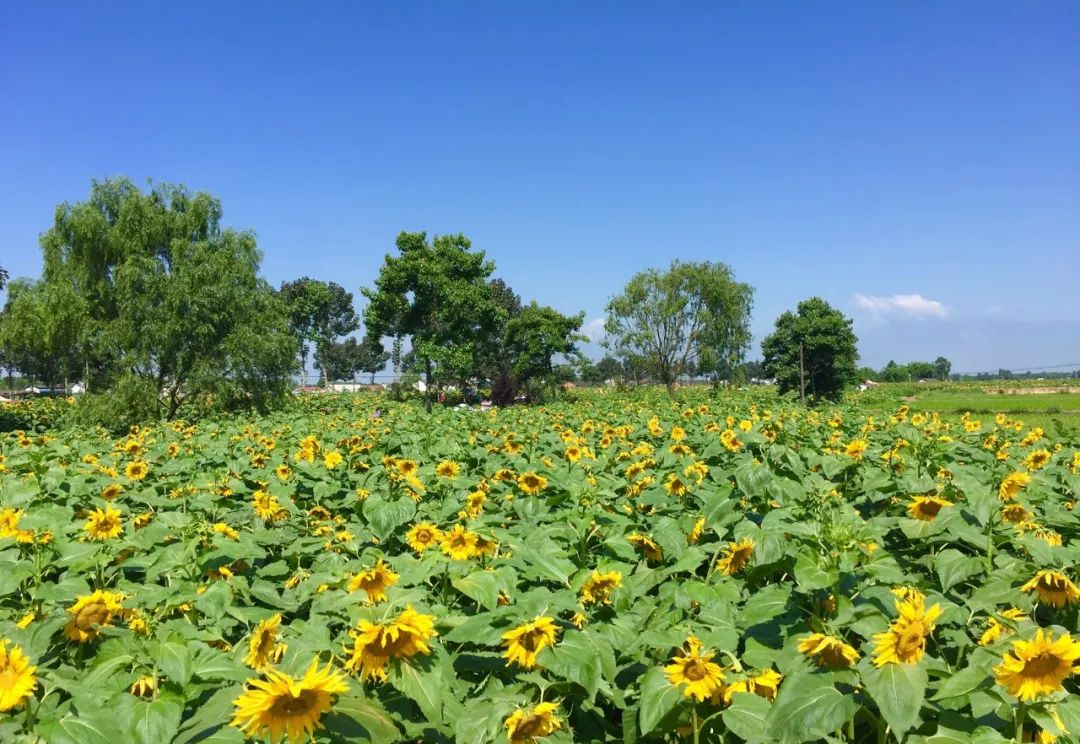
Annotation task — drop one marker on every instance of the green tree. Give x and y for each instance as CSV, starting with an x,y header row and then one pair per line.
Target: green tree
x,y
533,338
942,368
3,277
371,357
692,316
437,294
173,305
812,351
41,330
319,313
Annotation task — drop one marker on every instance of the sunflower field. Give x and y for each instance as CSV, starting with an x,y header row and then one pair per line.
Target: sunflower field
x,y
721,567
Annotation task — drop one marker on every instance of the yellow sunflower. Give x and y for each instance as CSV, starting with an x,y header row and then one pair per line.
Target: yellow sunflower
x,y
281,705
995,629
376,643
1012,484
332,459
531,483
1054,588
423,536
703,678
460,543
695,532
926,508
828,651
111,491
736,556
905,640
524,642
374,582
1039,666
104,524
144,686
598,588
263,648
17,680
646,545
1036,459
855,449
136,470
763,684
525,726
91,612
447,469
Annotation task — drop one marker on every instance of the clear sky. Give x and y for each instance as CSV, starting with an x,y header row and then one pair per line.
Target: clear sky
x,y
916,164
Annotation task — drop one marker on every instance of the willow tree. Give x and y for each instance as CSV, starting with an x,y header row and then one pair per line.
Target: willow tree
x,y
694,317
174,305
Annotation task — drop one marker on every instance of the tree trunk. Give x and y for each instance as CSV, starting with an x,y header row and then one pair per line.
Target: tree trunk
x,y
427,388
503,389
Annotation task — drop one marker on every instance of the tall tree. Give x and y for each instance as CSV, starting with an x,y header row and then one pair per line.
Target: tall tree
x,y
942,368
174,306
692,316
436,293
812,351
3,277
371,356
319,314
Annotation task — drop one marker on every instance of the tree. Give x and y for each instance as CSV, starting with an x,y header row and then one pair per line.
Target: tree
x,y
942,368
533,338
692,316
811,351
436,293
3,277
173,306
371,357
41,329
319,313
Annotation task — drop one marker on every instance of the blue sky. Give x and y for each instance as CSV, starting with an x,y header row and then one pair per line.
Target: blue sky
x,y
917,165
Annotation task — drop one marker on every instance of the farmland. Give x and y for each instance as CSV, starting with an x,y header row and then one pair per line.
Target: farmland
x,y
617,566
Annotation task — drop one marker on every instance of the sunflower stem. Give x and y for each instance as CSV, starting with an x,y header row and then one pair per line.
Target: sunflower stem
x,y
1018,722
696,724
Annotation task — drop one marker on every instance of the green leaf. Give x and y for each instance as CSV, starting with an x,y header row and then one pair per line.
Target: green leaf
x,y
810,575
174,660
583,657
747,717
952,567
156,721
480,586
658,698
422,682
808,707
94,727
766,604
961,683
898,690
386,516
369,714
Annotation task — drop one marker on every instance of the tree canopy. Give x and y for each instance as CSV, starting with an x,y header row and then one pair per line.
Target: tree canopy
x,y
170,305
436,293
812,351
694,316
319,313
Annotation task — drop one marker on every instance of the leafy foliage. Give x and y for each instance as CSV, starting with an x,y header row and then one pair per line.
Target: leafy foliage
x,y
812,351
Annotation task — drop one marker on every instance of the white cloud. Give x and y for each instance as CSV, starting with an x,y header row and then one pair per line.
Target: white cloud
x,y
594,329
902,305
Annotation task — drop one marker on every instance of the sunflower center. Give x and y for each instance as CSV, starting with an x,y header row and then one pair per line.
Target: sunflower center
x,y
695,670
931,508
912,637
387,646
533,640
1041,665
95,614
530,726
288,706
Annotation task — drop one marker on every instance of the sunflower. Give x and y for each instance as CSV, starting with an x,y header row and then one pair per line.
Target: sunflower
x,y
1015,514
763,684
332,459
266,506
646,545
828,651
280,705
1054,588
17,680
374,582
111,491
598,588
995,629
1039,666
263,648
91,612
423,536
695,532
376,643
531,483
926,508
524,642
905,640
674,485
1012,484
136,470
736,556
459,543
283,472
474,504
855,449
447,469
104,524
1036,459
525,726
703,678
144,686
221,528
